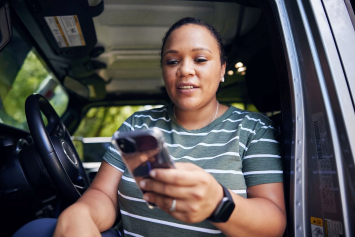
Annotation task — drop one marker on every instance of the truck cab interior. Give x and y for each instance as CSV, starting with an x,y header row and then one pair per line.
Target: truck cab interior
x,y
84,54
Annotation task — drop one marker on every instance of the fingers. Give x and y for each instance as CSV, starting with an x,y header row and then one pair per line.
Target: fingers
x,y
187,166
178,208
182,175
178,182
144,156
136,159
165,203
150,185
189,185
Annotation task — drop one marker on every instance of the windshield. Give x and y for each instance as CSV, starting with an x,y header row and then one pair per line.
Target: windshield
x,y
21,74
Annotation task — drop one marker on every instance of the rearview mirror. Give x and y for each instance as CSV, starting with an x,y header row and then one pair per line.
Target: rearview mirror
x,y
77,87
5,25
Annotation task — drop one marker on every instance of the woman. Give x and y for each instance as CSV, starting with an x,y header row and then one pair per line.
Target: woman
x,y
224,157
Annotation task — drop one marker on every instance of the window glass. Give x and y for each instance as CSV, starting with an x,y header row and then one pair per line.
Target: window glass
x,y
94,133
248,107
104,121
31,77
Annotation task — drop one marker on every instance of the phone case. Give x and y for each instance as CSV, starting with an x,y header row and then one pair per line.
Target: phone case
x,y
130,143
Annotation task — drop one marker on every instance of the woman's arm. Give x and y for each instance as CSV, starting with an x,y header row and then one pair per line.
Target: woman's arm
x,y
261,214
96,210
197,194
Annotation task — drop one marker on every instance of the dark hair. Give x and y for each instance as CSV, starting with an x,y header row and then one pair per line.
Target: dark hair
x,y
195,21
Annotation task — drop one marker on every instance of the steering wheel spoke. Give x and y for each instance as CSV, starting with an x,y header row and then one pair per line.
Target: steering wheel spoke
x,y
58,129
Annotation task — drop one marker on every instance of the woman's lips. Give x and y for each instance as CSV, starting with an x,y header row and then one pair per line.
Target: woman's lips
x,y
186,87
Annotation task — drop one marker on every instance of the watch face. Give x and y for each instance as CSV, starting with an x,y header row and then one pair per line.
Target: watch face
x,y
225,210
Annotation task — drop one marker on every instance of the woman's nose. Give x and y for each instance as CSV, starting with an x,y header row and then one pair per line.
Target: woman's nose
x,y
186,69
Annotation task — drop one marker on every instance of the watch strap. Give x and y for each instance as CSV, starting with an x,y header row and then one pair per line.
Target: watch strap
x,y
224,209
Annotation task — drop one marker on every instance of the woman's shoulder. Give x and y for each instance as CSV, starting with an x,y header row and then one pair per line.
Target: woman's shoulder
x,y
150,115
250,117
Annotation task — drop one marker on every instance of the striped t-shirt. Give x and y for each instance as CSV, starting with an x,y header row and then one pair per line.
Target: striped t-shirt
x,y
239,149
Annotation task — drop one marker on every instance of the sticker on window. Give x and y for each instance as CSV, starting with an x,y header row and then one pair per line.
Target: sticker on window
x,y
317,227
66,30
324,155
333,228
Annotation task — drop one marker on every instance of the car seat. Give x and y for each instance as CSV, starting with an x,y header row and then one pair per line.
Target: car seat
x,y
263,86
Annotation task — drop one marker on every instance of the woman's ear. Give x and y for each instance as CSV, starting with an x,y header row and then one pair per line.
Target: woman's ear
x,y
223,70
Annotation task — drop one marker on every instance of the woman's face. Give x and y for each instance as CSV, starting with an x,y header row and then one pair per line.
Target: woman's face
x,y
192,67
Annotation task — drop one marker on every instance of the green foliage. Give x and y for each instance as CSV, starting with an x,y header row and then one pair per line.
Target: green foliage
x,y
28,80
248,107
239,105
104,121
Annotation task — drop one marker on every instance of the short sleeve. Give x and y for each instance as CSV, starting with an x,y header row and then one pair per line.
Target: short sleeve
x,y
112,156
262,161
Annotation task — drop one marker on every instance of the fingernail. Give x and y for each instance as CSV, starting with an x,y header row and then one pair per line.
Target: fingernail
x,y
142,184
146,197
153,173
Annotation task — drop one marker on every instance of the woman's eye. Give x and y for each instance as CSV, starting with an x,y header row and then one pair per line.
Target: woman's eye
x,y
201,60
171,62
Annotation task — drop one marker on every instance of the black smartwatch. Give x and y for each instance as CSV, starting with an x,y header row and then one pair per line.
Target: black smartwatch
x,y
224,209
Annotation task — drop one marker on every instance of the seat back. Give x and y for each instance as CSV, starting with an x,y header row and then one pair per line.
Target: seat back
x,y
263,86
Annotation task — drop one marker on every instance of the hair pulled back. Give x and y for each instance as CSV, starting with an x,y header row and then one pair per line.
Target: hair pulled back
x,y
195,21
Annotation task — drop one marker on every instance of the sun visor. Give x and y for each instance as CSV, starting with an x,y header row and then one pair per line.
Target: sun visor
x,y
68,25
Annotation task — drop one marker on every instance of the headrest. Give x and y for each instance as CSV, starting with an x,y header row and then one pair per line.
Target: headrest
x,y
262,82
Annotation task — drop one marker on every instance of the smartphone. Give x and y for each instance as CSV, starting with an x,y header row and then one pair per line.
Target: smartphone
x,y
131,143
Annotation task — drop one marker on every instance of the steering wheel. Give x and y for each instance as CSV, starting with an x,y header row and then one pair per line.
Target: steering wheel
x,y
56,149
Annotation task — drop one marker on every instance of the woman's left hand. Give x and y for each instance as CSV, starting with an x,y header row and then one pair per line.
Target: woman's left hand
x,y
197,193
